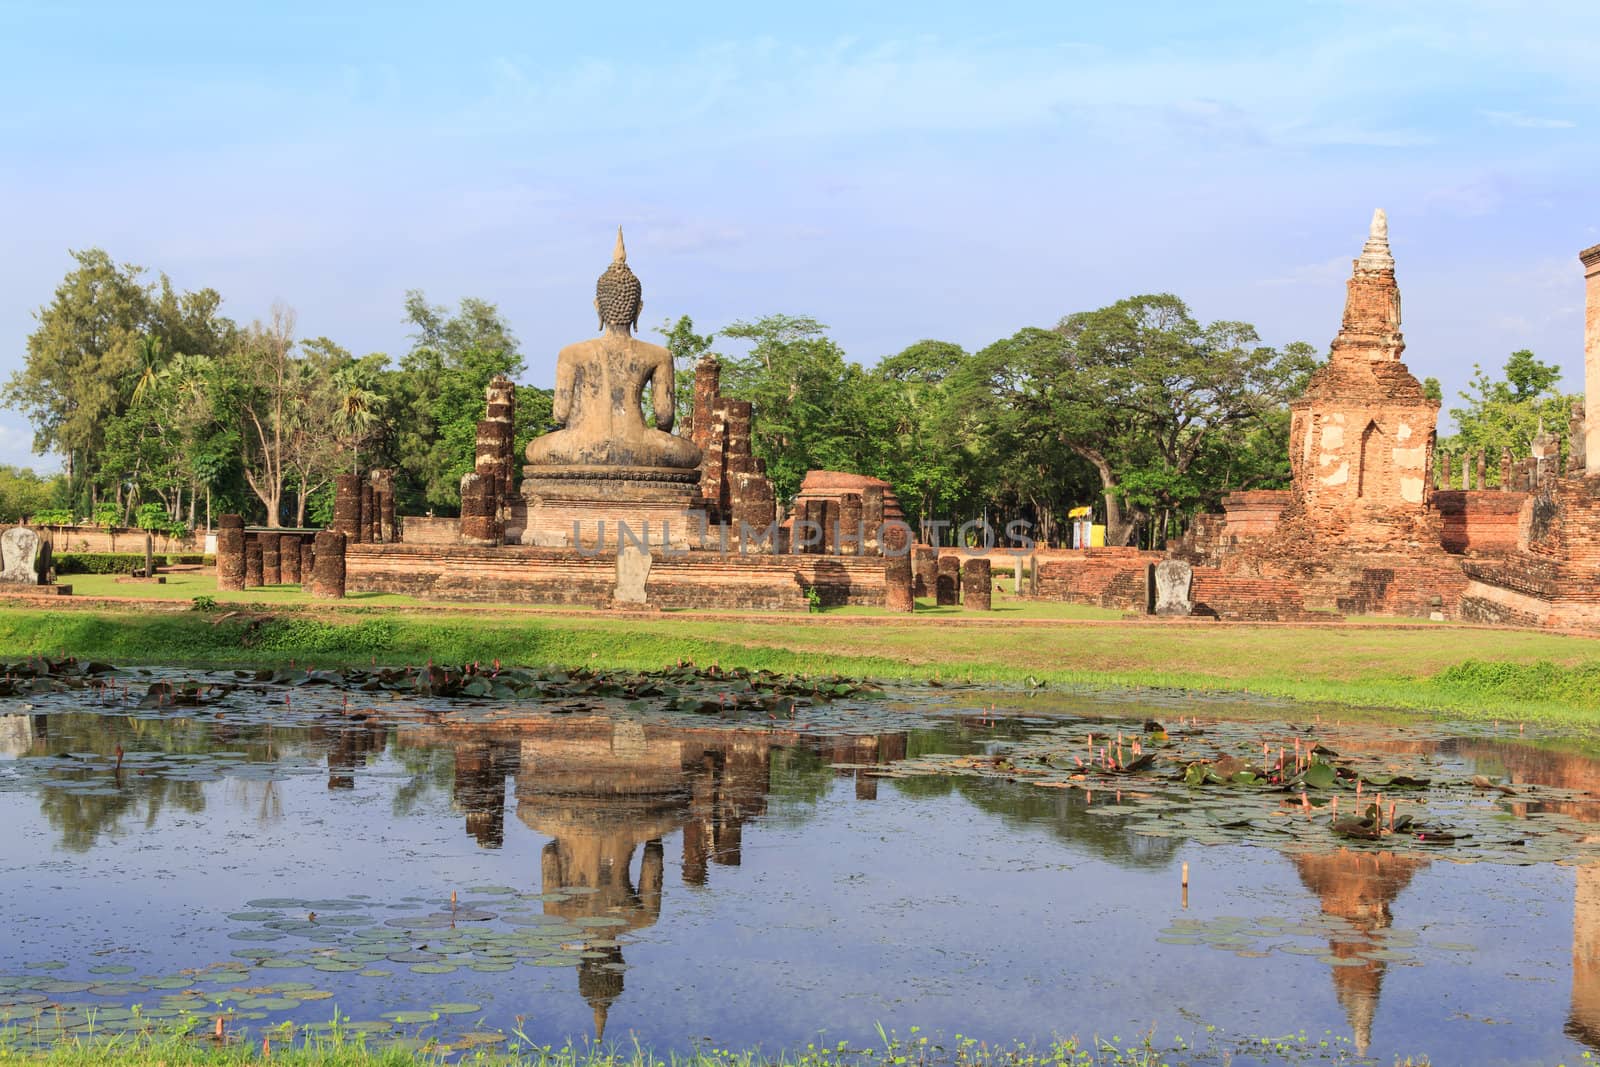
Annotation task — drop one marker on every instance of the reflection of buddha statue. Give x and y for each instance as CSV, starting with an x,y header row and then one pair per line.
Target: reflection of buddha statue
x,y
600,390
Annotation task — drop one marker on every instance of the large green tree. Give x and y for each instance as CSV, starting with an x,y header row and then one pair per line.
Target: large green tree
x,y
439,394
1146,395
1506,412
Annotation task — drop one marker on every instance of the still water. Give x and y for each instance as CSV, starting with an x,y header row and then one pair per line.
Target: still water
x,y
587,870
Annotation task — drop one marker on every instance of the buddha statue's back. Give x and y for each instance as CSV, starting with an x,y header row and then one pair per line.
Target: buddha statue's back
x,y
599,391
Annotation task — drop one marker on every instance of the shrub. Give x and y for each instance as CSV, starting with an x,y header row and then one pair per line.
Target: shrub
x,y
303,636
98,562
53,517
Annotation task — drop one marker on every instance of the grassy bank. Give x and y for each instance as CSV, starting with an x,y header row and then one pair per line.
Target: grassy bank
x,y
1462,671
889,1050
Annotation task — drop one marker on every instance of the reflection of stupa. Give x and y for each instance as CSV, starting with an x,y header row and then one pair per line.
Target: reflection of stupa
x,y
1583,1020
16,735
1358,887
1564,769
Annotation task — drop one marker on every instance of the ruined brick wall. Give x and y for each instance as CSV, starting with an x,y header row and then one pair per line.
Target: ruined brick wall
x,y
1480,522
1255,512
1230,597
529,575
861,502
1115,578
733,480
429,530
1590,258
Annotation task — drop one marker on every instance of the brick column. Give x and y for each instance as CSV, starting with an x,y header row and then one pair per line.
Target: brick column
x,y
480,518
327,579
707,386
872,519
977,584
347,504
252,562
850,538
1591,360
289,555
308,561
924,569
897,575
947,588
364,523
230,553
271,561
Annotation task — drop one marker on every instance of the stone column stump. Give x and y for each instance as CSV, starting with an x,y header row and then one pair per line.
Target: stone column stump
x,y
308,560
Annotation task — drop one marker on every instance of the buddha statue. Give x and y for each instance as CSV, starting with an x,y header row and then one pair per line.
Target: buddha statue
x,y
599,396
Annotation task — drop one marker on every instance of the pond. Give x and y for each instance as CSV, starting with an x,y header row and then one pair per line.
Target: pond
x,y
682,870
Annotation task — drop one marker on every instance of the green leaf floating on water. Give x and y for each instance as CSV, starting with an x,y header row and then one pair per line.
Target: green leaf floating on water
x,y
1320,776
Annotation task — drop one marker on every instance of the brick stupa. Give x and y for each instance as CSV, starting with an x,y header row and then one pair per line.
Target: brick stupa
x,y
1361,436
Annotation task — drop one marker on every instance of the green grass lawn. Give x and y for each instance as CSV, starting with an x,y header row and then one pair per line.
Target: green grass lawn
x,y
1460,670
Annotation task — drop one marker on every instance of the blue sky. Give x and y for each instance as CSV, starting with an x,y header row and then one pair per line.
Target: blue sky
x,y
897,171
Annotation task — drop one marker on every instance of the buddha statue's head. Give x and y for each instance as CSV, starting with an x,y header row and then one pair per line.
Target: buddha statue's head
x,y
617,295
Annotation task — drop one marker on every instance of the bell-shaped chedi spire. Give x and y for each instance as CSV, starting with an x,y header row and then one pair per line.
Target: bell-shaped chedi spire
x,y
1371,327
1375,253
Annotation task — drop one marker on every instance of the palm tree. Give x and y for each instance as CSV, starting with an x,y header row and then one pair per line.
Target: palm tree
x,y
358,409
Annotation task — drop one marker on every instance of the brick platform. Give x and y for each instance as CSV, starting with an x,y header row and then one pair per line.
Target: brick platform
x,y
530,575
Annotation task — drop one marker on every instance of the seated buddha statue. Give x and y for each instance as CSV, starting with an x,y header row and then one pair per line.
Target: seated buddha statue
x,y
599,397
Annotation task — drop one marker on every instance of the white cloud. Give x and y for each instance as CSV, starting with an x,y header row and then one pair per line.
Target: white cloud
x,y
1328,272
1527,122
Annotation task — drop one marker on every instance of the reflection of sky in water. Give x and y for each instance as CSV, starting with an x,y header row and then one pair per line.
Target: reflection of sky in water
x,y
792,897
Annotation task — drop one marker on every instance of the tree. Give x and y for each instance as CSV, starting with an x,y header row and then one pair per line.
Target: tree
x,y
24,494
79,356
1506,413
1144,394
686,347
812,409
267,381
440,392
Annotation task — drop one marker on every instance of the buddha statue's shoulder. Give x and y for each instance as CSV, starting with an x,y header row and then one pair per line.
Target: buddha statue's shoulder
x,y
581,349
